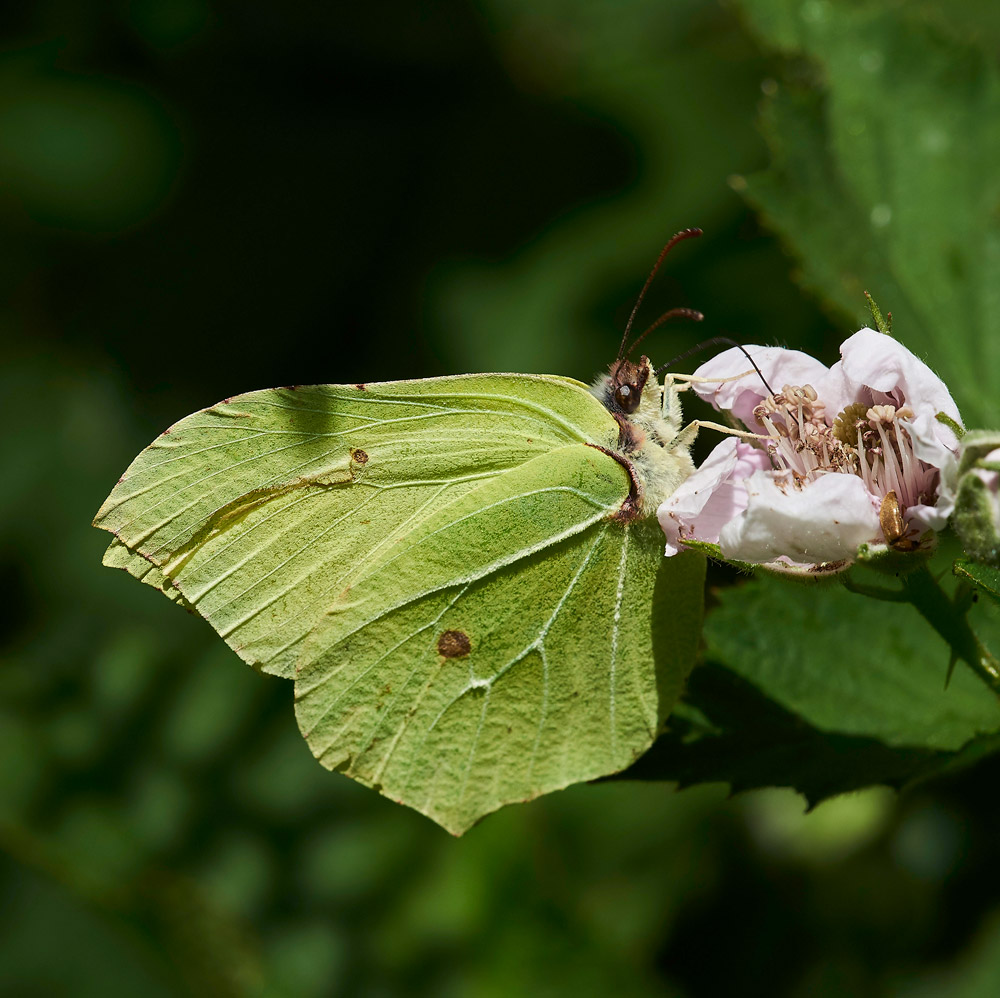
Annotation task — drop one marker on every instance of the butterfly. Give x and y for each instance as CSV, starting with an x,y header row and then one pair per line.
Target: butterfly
x,y
463,576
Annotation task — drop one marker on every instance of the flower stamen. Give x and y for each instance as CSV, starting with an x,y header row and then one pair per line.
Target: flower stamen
x,y
871,442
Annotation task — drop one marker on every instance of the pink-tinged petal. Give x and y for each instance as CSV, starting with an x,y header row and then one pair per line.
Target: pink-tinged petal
x,y
991,479
924,518
878,369
826,520
710,497
780,367
927,443
927,447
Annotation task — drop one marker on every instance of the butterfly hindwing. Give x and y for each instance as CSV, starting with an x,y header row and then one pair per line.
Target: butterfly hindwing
x,y
532,677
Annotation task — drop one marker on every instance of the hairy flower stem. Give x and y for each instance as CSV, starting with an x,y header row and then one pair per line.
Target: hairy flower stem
x,y
948,617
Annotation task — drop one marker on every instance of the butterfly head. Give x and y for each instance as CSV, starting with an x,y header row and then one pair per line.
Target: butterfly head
x,y
631,392
621,389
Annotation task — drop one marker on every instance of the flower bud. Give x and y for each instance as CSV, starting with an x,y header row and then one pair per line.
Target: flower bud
x,y
976,517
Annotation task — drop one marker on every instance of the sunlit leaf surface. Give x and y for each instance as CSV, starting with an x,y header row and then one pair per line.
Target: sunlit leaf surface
x,y
849,664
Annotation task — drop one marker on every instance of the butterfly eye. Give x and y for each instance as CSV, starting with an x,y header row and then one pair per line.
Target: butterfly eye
x,y
627,397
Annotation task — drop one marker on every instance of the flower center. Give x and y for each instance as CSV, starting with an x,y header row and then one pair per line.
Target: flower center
x,y
869,441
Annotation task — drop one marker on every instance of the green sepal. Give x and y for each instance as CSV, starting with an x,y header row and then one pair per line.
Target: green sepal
x,y
809,574
953,425
877,556
890,561
975,515
883,325
976,444
974,521
713,551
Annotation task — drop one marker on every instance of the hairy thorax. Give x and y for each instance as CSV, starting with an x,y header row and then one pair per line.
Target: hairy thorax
x,y
651,443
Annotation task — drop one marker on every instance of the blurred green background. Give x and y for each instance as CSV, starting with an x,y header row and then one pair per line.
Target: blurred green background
x,y
200,198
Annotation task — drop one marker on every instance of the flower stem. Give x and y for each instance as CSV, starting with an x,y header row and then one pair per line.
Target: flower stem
x,y
948,617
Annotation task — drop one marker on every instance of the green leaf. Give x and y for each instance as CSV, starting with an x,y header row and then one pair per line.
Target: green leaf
x,y
727,731
985,578
848,664
976,971
883,178
444,568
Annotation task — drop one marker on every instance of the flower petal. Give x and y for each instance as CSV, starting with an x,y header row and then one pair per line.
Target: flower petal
x,y
780,367
825,520
712,496
925,518
878,369
927,444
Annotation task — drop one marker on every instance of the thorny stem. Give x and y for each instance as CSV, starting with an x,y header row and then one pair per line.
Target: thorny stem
x,y
948,617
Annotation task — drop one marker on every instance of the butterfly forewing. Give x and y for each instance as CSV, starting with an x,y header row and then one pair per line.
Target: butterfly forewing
x,y
258,510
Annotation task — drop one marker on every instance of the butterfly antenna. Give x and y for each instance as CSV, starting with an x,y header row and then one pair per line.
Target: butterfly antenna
x,y
713,342
674,313
675,239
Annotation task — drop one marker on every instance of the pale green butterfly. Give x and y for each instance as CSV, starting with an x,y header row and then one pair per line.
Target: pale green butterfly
x,y
464,576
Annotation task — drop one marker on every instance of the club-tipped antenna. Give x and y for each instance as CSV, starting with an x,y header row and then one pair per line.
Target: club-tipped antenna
x,y
714,342
675,313
675,239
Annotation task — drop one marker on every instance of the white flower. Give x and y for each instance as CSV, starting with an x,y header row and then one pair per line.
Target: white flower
x,y
826,522
840,447
713,496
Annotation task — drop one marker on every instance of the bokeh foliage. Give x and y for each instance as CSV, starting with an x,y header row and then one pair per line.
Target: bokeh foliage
x,y
313,193
898,126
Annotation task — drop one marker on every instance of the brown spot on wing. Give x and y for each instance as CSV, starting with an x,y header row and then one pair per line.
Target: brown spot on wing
x,y
454,644
361,387
359,456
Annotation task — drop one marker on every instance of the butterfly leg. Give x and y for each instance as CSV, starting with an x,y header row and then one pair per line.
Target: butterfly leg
x,y
686,437
670,411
